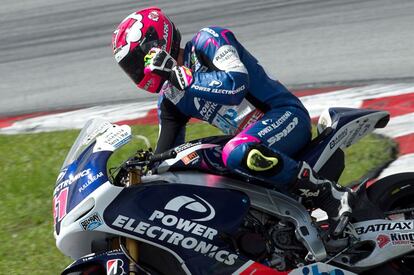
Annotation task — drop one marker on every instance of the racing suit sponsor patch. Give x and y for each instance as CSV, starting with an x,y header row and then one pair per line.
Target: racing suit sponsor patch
x,y
227,59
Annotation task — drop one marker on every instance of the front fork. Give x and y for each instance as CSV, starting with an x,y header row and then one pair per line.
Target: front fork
x,y
134,178
131,249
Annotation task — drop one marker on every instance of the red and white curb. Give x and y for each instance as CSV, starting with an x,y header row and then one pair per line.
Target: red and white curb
x,y
398,99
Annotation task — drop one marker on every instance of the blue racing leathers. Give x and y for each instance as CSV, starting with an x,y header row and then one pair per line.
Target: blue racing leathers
x,y
232,91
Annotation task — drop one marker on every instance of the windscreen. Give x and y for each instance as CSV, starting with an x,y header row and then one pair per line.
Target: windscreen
x,y
92,129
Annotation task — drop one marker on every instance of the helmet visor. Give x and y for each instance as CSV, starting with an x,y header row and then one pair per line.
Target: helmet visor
x,y
133,63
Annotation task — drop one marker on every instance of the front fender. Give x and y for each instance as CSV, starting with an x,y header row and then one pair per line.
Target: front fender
x,y
109,262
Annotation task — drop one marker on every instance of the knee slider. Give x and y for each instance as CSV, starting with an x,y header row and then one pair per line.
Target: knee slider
x,y
258,159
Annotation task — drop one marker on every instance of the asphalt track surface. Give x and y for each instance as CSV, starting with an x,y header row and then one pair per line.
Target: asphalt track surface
x,y
56,54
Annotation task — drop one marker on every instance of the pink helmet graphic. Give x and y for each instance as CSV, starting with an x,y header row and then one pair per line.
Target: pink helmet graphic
x,y
136,35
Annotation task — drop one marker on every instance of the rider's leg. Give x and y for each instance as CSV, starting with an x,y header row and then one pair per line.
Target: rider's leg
x,y
264,151
324,194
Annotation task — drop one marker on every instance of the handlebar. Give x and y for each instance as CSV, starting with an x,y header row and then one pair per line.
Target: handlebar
x,y
148,159
163,156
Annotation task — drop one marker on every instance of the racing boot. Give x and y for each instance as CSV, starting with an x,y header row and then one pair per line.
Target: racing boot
x,y
332,198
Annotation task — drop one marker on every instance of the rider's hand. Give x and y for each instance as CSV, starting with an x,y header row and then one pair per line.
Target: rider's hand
x,y
181,77
161,63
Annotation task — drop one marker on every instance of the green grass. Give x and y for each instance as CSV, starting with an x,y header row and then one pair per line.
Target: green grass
x,y
29,165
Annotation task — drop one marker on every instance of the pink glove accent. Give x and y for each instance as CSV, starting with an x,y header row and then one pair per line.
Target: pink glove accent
x,y
182,78
147,70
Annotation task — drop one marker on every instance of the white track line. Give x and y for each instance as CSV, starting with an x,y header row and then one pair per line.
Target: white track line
x,y
398,126
402,164
352,97
77,119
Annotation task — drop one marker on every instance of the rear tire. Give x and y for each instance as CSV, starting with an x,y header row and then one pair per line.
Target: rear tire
x,y
392,193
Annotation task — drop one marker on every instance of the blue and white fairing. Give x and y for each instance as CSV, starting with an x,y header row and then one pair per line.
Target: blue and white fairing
x,y
82,174
189,222
346,127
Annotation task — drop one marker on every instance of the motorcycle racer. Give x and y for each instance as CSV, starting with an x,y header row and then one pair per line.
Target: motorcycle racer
x,y
215,79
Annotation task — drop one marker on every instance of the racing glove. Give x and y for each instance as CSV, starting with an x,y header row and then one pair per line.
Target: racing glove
x,y
159,62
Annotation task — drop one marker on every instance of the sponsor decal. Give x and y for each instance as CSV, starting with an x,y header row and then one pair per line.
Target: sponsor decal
x,y
365,129
194,63
274,125
266,122
285,132
383,240
190,203
357,132
172,93
232,119
227,59
225,54
318,269
208,109
101,129
115,267
165,36
91,223
71,180
148,84
210,31
87,258
338,138
215,83
402,238
118,136
205,108
225,122
186,146
218,91
251,118
229,119
308,193
169,232
91,180
200,88
385,226
154,16
61,174
190,158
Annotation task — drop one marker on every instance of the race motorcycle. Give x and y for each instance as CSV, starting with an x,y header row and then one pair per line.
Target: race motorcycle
x,y
183,212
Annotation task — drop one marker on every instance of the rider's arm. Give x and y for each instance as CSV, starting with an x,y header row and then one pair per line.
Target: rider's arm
x,y
172,126
227,80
